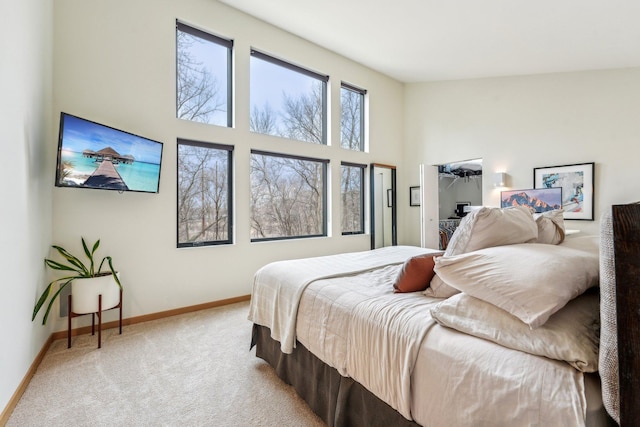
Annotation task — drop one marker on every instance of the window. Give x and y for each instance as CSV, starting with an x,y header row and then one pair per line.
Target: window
x,y
288,196
287,100
352,117
204,193
203,76
352,198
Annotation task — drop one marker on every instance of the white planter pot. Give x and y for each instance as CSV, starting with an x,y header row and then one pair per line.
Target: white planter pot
x,y
84,294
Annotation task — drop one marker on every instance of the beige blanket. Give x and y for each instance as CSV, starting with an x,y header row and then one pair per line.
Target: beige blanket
x,y
278,286
387,332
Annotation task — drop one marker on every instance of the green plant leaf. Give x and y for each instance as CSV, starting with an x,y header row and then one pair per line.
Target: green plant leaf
x,y
113,271
90,255
41,301
53,298
59,266
71,259
46,294
93,251
95,247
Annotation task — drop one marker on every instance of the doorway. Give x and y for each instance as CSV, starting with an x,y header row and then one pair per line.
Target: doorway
x,y
459,191
383,206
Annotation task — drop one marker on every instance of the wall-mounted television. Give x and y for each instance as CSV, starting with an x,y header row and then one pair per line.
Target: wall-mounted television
x,y
92,155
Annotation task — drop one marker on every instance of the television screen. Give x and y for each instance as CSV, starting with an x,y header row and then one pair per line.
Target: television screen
x,y
540,199
91,155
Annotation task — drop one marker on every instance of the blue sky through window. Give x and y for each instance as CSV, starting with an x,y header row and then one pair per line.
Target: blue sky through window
x,y
212,58
270,83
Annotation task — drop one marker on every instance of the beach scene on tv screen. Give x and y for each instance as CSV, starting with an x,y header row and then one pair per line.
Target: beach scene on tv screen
x,y
97,156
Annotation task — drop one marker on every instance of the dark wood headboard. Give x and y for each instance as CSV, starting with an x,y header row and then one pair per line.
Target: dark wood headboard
x,y
626,246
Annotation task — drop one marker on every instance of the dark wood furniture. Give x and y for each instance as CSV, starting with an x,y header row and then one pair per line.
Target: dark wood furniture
x,y
626,246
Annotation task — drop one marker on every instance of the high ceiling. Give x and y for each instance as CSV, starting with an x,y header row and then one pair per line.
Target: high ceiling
x,y
426,40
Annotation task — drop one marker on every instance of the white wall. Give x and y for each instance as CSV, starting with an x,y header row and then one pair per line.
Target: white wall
x,y
26,174
518,123
114,63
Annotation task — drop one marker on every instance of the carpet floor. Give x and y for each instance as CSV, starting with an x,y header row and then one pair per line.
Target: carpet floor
x,y
194,369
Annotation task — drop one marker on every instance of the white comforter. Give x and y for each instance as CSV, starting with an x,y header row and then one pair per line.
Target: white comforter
x,y
375,324
278,286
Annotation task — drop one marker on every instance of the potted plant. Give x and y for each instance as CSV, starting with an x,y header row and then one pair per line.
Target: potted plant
x,y
90,282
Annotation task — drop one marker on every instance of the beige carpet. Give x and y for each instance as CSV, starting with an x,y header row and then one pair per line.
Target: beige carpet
x,y
189,370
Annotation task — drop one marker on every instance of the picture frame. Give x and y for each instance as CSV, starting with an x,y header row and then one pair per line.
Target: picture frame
x,y
539,199
577,183
414,196
389,198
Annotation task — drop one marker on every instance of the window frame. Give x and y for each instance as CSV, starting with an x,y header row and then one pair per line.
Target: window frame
x,y
325,194
227,43
230,195
362,93
323,78
362,168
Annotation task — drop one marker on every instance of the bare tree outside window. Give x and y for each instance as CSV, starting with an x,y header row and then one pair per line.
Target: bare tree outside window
x,y
302,116
287,101
263,120
351,119
202,77
287,196
352,198
204,197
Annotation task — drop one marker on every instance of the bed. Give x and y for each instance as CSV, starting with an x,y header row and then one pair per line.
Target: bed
x,y
414,336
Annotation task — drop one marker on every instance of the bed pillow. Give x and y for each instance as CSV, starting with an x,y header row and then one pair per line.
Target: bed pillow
x,y
529,280
416,273
550,227
484,228
438,289
488,227
571,335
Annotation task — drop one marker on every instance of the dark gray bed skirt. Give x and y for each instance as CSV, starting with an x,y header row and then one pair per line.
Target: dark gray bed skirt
x,y
338,400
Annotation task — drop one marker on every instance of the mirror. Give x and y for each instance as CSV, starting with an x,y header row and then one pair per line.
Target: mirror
x,y
383,206
459,191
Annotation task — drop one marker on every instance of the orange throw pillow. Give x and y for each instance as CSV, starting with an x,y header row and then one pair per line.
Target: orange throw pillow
x,y
416,273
